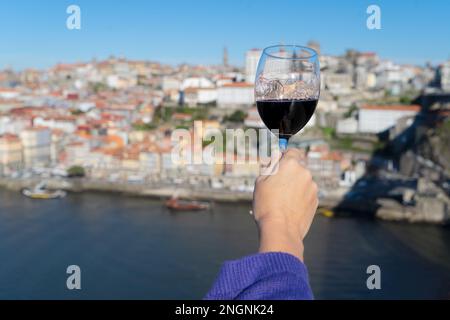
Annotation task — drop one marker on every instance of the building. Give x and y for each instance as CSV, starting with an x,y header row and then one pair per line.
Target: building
x,y
445,76
78,153
253,119
197,82
392,76
324,164
167,165
374,118
36,144
338,83
13,125
327,104
64,123
10,152
234,95
251,64
150,162
8,93
195,96
347,126
170,83
121,81
130,159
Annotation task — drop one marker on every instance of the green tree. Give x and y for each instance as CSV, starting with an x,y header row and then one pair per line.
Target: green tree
x,y
76,171
236,116
144,126
405,100
329,132
350,111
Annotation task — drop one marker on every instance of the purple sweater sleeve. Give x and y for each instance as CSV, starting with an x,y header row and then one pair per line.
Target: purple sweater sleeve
x,y
264,276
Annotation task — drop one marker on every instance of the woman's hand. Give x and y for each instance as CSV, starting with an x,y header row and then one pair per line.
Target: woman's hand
x,y
284,204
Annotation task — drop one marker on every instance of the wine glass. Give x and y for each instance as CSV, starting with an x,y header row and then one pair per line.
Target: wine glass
x,y
287,89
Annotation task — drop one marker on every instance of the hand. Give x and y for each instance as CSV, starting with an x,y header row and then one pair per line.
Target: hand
x,y
284,205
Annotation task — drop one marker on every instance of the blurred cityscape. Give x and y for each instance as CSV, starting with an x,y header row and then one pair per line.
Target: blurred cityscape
x,y
378,142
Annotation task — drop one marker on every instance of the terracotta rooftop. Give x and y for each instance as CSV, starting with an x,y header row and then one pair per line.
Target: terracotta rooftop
x,y
238,85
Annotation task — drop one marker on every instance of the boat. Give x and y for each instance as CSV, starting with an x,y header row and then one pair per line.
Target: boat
x,y
326,212
40,192
186,205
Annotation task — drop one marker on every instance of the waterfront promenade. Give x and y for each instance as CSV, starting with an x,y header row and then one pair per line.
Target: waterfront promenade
x,y
153,189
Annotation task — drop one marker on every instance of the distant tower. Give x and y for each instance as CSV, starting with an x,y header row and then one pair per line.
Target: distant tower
x,y
225,57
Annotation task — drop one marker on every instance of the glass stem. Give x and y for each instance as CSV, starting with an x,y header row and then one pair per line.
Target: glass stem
x,y
283,143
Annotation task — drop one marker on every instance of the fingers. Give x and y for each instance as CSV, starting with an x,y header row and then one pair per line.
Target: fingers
x,y
293,153
291,163
271,168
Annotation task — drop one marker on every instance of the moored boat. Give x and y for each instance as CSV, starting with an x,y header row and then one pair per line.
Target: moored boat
x,y
185,205
40,192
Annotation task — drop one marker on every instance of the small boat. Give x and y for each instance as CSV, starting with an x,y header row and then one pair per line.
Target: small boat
x,y
326,212
40,192
185,205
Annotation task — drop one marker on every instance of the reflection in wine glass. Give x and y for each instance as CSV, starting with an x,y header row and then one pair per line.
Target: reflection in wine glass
x,y
287,89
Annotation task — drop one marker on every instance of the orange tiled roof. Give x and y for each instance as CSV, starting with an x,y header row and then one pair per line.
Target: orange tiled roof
x,y
238,85
9,137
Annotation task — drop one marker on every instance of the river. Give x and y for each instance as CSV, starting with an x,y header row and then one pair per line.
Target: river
x,y
134,248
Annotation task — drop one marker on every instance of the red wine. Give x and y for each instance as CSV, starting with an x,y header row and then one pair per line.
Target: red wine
x,y
287,116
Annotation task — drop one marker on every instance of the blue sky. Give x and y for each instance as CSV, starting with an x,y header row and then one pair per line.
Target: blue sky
x,y
33,33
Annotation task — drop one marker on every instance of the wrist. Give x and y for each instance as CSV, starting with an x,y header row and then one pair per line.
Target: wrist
x,y
279,236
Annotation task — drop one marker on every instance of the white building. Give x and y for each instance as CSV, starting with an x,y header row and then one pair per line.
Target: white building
x,y
235,95
206,95
78,153
194,96
338,83
197,82
327,105
10,151
86,106
35,137
65,123
150,162
445,76
166,161
36,144
121,81
374,119
347,126
8,93
170,83
393,76
251,64
13,125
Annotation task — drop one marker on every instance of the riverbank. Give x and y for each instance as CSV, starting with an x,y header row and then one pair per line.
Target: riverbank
x,y
151,190
156,190
332,202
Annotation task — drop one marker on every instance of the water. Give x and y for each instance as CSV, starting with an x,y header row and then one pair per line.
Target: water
x,y
133,248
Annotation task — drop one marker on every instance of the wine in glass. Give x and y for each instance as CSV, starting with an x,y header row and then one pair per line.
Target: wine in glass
x,y
287,89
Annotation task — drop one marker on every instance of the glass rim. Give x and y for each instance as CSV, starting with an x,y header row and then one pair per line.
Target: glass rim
x,y
311,51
